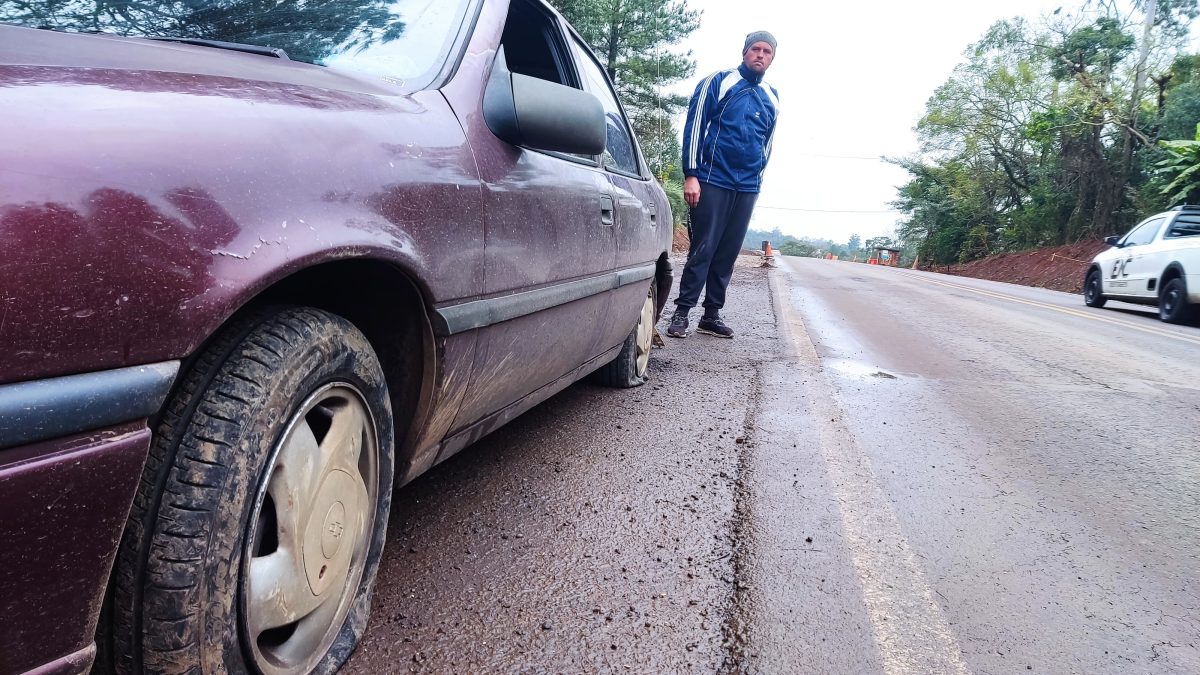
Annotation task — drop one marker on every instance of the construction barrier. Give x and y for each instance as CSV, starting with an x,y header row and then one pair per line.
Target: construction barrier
x,y
768,255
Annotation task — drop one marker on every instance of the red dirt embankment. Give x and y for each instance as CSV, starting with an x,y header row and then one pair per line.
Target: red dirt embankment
x,y
1059,268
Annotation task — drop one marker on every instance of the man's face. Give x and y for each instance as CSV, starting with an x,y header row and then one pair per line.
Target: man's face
x,y
758,58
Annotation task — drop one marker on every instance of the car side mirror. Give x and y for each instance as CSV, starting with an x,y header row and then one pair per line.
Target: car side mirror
x,y
1112,241
542,115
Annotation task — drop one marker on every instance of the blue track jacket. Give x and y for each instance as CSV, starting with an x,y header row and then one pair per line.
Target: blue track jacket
x,y
730,124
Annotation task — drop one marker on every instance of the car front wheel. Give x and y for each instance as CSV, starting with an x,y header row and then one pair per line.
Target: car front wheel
x,y
257,529
1173,306
1092,290
630,366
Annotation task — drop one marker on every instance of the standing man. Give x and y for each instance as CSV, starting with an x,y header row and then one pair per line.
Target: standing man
x,y
726,145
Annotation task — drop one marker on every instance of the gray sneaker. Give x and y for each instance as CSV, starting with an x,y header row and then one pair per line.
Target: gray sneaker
x,y
714,326
679,325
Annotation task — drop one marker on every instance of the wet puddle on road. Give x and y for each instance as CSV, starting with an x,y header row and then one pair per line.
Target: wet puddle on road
x,y
857,369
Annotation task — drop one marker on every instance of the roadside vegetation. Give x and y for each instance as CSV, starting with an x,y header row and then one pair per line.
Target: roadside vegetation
x,y
1048,133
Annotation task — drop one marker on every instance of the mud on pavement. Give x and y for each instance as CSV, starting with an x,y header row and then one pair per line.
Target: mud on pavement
x,y
602,531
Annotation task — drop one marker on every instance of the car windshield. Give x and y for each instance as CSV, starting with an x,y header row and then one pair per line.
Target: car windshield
x,y
403,40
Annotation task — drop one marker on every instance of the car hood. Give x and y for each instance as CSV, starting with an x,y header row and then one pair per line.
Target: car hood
x,y
135,56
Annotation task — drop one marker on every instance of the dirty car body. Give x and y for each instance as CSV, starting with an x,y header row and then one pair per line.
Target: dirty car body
x,y
244,295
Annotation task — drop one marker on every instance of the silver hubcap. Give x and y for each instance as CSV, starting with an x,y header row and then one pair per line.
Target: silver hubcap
x,y
310,531
645,335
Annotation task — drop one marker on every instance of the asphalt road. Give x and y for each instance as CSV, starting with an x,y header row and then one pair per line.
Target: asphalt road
x,y
885,472
1014,478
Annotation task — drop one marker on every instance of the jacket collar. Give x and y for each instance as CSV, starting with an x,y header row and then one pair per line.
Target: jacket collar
x,y
749,75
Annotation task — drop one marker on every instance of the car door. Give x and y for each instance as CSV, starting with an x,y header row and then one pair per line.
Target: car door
x,y
636,200
1135,267
1125,275
549,234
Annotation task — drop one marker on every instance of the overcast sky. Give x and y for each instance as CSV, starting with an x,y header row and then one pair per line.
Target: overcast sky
x,y
853,79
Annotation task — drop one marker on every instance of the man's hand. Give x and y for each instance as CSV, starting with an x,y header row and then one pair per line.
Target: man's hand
x,y
691,191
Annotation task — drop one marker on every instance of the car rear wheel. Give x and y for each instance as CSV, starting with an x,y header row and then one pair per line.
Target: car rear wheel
x,y
1092,295
257,529
1173,306
630,366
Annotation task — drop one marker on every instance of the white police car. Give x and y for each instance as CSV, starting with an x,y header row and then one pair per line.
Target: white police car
x,y
1156,263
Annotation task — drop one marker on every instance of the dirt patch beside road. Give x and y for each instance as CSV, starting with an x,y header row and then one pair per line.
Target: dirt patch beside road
x,y
1059,268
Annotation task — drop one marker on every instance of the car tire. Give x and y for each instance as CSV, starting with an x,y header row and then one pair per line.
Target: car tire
x,y
1173,306
1092,290
215,573
630,367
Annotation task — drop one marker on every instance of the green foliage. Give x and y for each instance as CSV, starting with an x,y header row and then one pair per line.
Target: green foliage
x,y
674,190
1184,70
1181,168
1182,112
1100,46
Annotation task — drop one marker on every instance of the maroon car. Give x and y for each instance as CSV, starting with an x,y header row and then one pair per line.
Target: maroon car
x,y
256,270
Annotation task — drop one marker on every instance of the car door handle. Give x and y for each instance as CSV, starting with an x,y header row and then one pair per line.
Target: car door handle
x,y
653,214
606,209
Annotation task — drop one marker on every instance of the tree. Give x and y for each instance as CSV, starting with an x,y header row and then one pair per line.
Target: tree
x,y
1181,113
1179,99
855,243
630,38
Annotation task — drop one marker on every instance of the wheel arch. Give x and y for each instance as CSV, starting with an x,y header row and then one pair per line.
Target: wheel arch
x,y
388,305
1173,271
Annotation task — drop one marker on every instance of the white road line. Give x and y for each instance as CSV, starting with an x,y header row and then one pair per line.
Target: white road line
x,y
911,632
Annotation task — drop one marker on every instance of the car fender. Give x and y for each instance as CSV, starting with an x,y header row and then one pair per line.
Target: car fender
x,y
131,238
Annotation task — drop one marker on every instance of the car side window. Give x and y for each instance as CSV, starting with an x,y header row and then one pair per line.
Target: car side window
x,y
620,153
1185,226
1144,233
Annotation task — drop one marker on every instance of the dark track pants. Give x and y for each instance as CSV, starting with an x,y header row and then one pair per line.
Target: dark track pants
x,y
718,226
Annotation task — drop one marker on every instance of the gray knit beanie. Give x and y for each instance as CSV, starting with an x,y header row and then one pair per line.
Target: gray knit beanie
x,y
760,36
